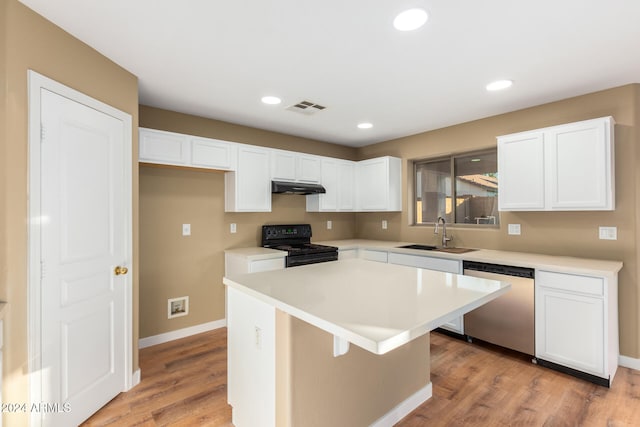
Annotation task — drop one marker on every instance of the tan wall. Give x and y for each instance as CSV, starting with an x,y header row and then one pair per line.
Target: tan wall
x,y
34,43
557,233
322,390
172,265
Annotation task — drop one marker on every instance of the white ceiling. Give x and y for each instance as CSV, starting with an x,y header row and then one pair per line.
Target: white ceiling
x,y
217,59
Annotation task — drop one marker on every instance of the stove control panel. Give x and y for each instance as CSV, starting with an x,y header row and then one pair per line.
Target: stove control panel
x,y
294,233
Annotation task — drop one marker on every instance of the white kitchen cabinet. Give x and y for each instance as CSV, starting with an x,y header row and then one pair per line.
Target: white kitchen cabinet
x,y
251,349
566,167
175,149
162,147
248,189
347,253
338,179
433,263
577,323
379,184
213,154
295,167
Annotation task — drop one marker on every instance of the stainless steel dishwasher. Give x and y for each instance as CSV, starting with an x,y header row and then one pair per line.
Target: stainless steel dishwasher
x,y
507,321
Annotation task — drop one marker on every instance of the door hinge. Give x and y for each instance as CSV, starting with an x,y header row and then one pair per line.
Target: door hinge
x,y
42,132
43,269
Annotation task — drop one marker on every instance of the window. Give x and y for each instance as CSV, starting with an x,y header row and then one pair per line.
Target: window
x,y
469,179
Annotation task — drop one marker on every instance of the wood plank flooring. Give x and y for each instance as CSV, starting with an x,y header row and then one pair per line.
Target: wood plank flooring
x,y
184,384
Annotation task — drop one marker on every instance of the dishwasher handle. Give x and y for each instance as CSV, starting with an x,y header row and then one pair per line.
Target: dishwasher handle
x,y
507,270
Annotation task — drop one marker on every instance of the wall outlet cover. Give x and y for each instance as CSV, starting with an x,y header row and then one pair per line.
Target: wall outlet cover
x,y
329,225
384,224
186,229
232,227
608,233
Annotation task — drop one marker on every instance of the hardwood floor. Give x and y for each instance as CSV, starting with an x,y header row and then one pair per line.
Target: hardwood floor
x,y
184,384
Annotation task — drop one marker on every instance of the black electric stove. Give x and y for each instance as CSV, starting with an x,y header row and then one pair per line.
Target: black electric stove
x,y
296,240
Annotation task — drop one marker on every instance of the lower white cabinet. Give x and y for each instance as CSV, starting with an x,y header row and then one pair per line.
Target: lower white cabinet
x,y
347,253
251,361
438,264
241,264
577,323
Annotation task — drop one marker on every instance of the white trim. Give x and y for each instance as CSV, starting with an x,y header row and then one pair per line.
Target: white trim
x,y
37,82
135,379
405,407
181,333
629,362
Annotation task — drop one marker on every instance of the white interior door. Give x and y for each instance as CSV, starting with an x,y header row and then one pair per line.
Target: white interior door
x,y
85,210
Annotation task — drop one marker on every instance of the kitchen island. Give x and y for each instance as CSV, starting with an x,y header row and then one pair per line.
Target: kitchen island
x,y
338,343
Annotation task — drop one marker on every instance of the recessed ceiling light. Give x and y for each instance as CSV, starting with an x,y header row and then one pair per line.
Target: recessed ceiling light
x,y
271,100
365,125
410,19
499,85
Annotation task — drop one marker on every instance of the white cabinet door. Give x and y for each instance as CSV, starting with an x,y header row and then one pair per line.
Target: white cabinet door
x,y
566,167
295,167
248,189
570,330
371,255
378,184
308,168
338,179
213,154
580,159
283,165
346,186
163,147
521,172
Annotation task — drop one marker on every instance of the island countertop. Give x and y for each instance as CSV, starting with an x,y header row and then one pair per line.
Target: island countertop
x,y
376,306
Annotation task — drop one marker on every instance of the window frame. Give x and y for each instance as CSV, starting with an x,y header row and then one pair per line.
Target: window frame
x,y
451,158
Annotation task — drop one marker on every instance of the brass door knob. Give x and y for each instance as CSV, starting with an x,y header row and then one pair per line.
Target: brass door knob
x,y
121,270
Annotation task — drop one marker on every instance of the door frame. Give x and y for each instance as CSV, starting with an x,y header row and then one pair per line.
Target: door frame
x,y
36,82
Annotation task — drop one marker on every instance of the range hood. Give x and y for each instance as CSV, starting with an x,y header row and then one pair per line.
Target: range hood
x,y
282,187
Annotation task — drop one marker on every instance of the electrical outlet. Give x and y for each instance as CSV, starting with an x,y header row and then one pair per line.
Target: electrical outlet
x,y
233,228
329,225
384,224
514,229
186,229
608,233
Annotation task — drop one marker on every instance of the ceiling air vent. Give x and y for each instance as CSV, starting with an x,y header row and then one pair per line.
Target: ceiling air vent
x,y
306,107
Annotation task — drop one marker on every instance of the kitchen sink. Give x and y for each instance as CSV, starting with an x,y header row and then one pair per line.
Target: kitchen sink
x,y
438,249
421,247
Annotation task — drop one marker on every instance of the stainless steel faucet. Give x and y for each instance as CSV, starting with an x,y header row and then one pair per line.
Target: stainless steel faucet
x,y
445,239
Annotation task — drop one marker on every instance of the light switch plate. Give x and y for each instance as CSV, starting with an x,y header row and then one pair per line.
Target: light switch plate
x,y
384,224
514,229
608,233
329,225
186,229
232,227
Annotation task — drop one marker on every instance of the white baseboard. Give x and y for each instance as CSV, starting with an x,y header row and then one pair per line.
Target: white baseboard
x,y
629,362
405,407
181,333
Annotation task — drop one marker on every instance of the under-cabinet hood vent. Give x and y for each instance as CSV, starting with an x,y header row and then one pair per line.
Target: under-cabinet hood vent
x,y
306,107
281,187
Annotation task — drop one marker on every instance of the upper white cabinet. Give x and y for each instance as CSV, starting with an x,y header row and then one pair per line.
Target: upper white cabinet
x,y
379,184
295,167
248,189
338,178
169,148
163,147
566,167
213,153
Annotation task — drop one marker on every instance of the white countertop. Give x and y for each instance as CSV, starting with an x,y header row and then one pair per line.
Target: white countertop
x,y
538,261
376,306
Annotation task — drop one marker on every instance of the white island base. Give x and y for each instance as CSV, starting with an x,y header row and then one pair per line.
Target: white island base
x,y
281,327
